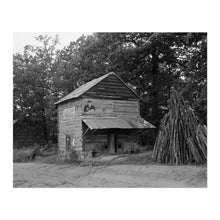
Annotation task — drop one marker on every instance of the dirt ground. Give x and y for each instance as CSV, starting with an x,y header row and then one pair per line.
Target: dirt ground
x,y
50,175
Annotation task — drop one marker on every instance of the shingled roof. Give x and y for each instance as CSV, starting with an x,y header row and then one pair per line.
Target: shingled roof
x,y
85,87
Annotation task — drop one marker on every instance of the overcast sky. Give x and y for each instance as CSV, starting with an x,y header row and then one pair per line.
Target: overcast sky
x,y
21,39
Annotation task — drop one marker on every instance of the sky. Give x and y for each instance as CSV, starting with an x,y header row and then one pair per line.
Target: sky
x,y
21,39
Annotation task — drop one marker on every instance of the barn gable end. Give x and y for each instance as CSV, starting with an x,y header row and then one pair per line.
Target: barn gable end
x,y
111,87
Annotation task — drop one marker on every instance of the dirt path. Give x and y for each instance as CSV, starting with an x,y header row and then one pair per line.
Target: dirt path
x,y
50,175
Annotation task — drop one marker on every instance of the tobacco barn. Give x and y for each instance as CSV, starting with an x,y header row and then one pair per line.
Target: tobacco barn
x,y
101,115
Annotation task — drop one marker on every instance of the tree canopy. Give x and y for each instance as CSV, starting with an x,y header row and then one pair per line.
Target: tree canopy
x,y
151,63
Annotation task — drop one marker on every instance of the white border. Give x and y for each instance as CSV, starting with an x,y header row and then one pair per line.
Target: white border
x,y
92,16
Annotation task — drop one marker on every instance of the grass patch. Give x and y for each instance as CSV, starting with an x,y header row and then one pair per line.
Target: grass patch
x,y
54,159
124,159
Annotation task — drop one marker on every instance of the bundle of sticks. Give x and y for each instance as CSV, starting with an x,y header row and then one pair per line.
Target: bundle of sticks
x,y
181,139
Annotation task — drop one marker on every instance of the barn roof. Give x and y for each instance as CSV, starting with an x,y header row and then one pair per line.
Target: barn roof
x,y
84,88
114,122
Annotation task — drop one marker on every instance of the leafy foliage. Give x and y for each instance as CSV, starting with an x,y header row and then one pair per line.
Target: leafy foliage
x,y
34,93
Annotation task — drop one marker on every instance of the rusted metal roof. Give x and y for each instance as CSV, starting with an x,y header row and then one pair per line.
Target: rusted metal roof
x,y
114,122
84,88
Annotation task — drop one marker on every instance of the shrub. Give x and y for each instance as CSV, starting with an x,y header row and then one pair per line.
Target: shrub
x,y
22,155
73,156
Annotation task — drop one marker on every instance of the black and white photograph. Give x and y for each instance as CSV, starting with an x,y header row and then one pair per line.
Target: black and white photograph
x,y
110,109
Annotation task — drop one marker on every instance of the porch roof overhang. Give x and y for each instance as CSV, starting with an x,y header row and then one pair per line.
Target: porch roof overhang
x,y
117,123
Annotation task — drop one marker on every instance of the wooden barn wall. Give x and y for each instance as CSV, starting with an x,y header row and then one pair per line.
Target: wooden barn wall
x,y
111,88
128,138
69,123
126,108
91,141
107,107
100,141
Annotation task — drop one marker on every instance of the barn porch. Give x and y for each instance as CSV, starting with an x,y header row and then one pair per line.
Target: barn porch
x,y
112,135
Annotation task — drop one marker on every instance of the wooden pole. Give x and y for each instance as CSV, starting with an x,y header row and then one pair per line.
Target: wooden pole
x,y
111,143
181,138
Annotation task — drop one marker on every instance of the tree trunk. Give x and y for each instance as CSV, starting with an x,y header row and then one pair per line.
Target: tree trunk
x,y
154,93
45,129
44,124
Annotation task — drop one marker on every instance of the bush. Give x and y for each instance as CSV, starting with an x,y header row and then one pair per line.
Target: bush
x,y
73,156
48,151
22,155
28,154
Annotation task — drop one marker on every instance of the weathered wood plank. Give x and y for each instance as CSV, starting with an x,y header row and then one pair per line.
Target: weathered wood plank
x,y
70,125
111,87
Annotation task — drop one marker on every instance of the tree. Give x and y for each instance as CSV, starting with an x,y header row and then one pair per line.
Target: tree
x,y
193,72
34,93
81,61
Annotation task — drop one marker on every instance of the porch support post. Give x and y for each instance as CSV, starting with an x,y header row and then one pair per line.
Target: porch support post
x,y
111,143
